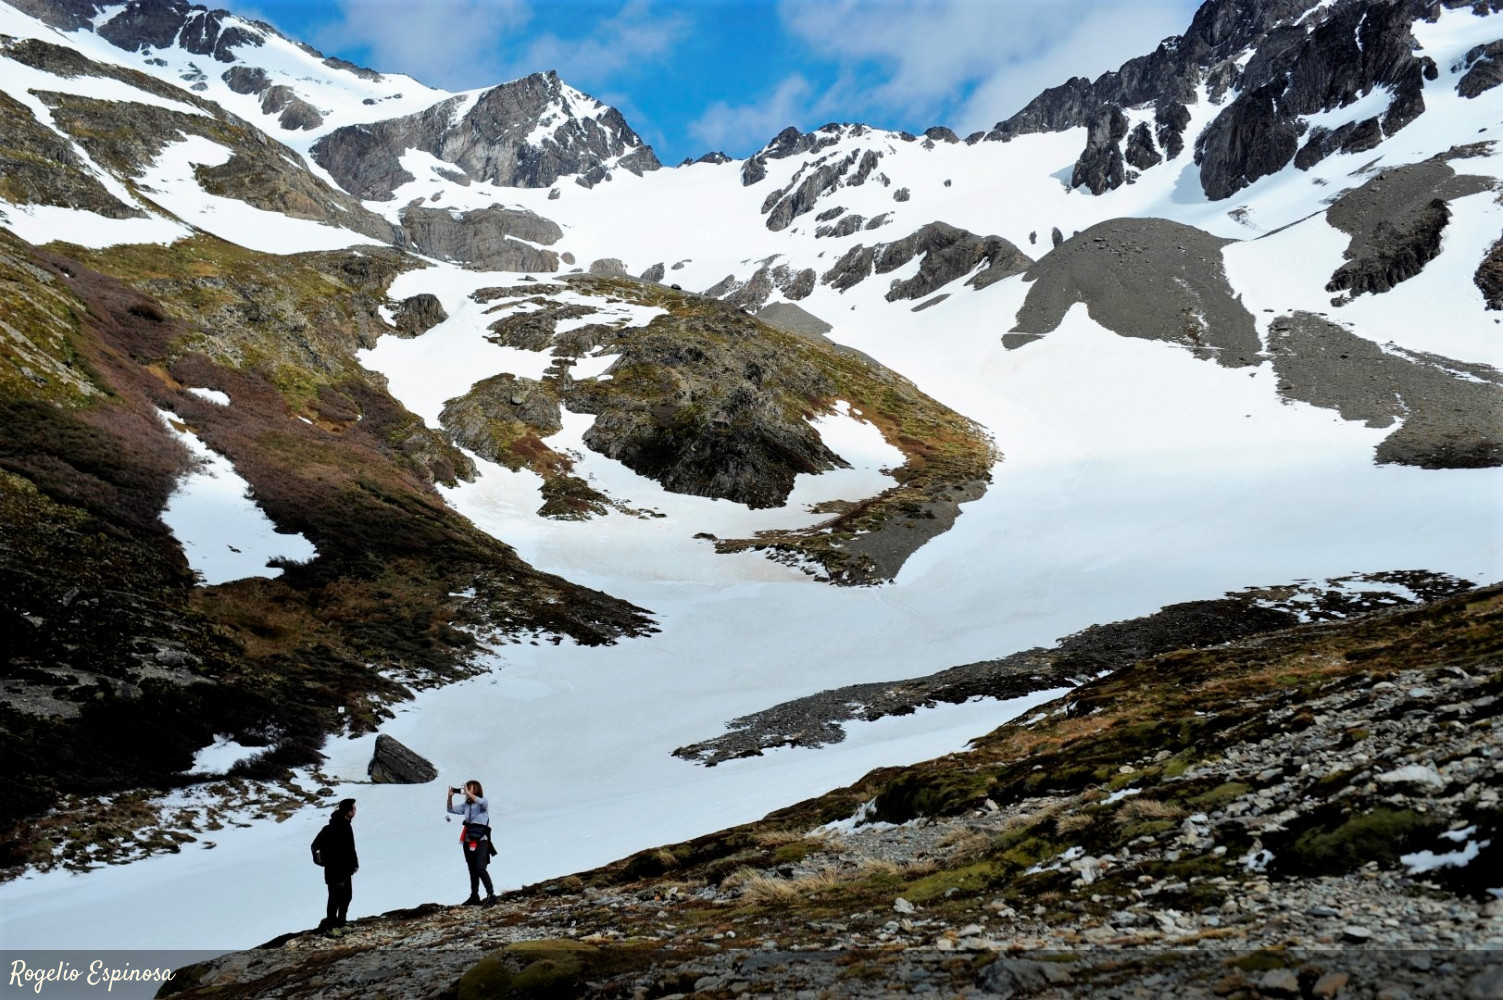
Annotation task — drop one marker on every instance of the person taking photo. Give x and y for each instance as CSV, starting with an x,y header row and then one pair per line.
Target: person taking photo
x,y
475,839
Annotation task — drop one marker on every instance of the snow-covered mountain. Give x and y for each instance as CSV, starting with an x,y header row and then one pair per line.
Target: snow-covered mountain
x,y
1224,318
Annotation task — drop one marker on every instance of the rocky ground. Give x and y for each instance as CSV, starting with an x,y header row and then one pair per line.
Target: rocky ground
x,y
1312,813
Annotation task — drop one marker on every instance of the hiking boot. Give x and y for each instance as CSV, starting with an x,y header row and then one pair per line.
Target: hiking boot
x,y
472,901
335,932
490,900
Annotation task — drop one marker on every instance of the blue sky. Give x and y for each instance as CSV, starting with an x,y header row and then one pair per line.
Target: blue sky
x,y
729,74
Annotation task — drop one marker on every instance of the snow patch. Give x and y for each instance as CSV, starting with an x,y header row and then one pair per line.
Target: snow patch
x,y
223,533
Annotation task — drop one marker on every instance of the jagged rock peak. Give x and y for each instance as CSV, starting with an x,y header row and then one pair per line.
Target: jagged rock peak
x,y
1280,61
134,25
526,133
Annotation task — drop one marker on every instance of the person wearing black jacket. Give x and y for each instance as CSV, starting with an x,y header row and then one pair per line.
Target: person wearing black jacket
x,y
334,851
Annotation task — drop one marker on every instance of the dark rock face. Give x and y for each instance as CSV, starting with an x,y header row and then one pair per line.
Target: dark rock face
x,y
947,252
295,112
1148,278
715,157
1395,221
1353,137
654,273
1295,70
246,79
334,62
845,227
69,15
1100,166
479,237
756,290
789,142
1355,49
418,314
1219,31
489,143
1484,70
394,764
365,159
1170,119
814,180
1489,276
1452,412
159,24
939,133
1140,152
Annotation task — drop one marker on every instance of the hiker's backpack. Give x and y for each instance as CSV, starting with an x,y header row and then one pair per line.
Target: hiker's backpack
x,y
317,847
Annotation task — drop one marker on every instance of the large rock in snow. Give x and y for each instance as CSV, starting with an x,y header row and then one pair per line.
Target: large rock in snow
x,y
395,764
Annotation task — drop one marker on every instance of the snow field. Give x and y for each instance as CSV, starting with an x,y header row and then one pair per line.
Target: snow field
x,y
223,533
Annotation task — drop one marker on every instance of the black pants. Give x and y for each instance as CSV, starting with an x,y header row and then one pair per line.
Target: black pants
x,y
340,891
477,861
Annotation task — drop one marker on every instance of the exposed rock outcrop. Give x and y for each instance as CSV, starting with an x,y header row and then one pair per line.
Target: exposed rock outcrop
x,y
490,141
127,137
769,277
295,113
481,237
812,181
159,24
246,79
1100,166
394,764
38,167
418,314
1489,276
947,253
1355,49
496,412
1395,221
1221,29
1484,69
789,142
1148,278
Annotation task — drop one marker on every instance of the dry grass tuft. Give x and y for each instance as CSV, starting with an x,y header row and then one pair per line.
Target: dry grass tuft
x,y
1148,809
1071,822
780,837
966,845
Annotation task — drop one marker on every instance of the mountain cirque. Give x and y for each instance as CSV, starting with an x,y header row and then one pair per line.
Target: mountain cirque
x,y
1252,776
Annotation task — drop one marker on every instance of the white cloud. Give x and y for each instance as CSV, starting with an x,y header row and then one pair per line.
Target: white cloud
x,y
982,59
1106,40
633,36
453,44
736,127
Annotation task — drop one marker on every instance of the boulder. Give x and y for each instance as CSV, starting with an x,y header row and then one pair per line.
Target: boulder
x,y
608,267
394,764
418,314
